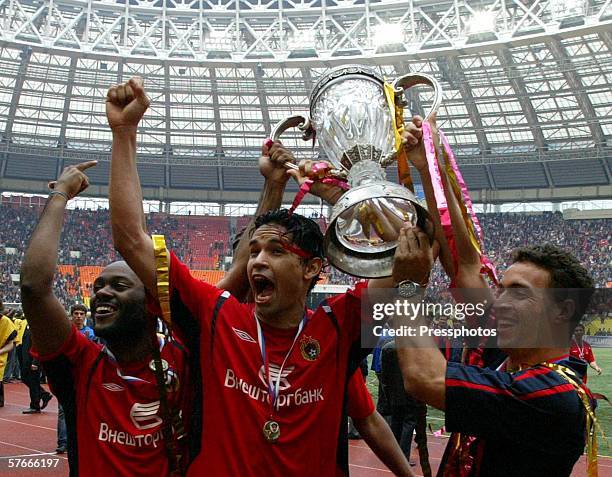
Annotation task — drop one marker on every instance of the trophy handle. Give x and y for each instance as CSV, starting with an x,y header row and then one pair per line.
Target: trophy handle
x,y
301,122
408,81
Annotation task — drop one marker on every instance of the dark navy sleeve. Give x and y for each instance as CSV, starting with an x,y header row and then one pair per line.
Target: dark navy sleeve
x,y
536,406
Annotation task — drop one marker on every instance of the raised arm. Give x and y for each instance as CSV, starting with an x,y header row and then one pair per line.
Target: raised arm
x,y
125,106
473,286
46,316
415,153
422,365
273,156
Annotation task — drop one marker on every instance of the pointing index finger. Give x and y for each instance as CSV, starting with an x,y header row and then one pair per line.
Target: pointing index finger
x,y
86,165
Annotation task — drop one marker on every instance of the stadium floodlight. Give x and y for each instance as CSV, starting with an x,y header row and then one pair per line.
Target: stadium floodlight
x,y
482,21
388,34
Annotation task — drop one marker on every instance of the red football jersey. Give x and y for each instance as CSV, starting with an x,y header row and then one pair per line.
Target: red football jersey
x,y
118,423
360,403
584,352
312,384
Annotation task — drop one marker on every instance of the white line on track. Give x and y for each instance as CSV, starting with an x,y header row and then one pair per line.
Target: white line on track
x,y
28,455
27,448
26,424
370,468
48,410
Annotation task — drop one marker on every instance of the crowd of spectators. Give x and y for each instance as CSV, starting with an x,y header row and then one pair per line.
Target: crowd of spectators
x,y
88,232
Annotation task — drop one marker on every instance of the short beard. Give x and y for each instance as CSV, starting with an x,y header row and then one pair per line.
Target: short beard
x,y
130,325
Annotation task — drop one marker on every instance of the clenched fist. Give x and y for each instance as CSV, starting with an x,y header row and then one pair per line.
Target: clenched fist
x,y
412,141
272,162
126,104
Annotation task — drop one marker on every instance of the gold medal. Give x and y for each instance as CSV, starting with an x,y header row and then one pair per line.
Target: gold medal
x,y
271,431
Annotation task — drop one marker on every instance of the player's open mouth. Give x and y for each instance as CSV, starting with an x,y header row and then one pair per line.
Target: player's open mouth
x,y
103,311
263,289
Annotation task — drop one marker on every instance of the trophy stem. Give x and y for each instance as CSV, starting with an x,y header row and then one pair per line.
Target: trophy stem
x,y
366,172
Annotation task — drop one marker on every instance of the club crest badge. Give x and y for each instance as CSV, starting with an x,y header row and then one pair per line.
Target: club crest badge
x,y
310,347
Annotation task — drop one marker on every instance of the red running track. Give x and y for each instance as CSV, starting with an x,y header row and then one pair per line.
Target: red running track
x,y
34,436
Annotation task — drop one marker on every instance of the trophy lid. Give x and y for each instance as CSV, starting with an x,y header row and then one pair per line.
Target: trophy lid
x,y
337,72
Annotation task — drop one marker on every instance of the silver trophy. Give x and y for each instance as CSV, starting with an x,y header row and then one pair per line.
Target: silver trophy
x,y
353,122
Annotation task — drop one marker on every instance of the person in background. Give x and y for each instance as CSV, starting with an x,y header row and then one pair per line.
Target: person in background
x,y
78,315
8,333
373,427
450,347
31,374
382,404
12,372
403,408
20,324
582,350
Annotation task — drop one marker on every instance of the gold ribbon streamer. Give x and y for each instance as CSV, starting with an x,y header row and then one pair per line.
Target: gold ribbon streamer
x,y
592,425
162,264
397,121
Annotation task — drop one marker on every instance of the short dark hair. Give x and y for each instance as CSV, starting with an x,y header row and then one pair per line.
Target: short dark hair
x,y
77,307
236,239
303,232
568,277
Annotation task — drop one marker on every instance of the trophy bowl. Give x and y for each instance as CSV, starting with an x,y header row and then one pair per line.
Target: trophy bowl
x,y
354,123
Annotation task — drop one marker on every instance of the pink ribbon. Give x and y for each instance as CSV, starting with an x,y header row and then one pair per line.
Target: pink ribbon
x,y
436,179
438,187
304,189
307,185
487,266
466,456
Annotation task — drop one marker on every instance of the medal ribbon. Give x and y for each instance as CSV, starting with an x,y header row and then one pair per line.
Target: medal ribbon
x,y
162,264
273,389
580,350
128,378
397,122
592,424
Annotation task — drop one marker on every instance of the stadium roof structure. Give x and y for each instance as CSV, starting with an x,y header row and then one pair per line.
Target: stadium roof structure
x,y
527,98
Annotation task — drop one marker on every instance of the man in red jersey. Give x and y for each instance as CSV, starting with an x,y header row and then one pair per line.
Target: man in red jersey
x,y
580,349
110,395
274,378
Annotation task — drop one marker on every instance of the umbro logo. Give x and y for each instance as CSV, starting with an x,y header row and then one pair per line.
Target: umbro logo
x,y
113,387
243,335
